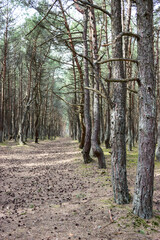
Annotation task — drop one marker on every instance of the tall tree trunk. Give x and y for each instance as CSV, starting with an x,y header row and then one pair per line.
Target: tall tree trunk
x,y
87,117
38,101
102,129
128,66
108,124
21,117
130,103
97,151
118,124
75,100
143,196
158,97
3,82
37,116
109,66
9,108
14,108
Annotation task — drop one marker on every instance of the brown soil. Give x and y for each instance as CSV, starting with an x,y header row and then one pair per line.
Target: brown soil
x,y
46,192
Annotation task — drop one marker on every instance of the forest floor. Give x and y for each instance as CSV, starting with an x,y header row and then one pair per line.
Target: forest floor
x,y
46,192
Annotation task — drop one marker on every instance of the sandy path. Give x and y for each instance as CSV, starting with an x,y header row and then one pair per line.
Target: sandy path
x,y
47,193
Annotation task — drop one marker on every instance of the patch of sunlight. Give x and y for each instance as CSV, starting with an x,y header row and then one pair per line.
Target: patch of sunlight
x,y
48,163
11,157
21,145
67,153
39,155
39,164
131,153
75,141
4,165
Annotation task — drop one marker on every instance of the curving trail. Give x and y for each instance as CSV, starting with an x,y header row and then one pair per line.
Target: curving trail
x,y
46,192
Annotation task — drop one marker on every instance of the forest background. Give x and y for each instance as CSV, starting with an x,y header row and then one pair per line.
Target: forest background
x,y
90,70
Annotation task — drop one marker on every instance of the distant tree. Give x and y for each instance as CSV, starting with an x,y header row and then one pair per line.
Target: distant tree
x,y
4,71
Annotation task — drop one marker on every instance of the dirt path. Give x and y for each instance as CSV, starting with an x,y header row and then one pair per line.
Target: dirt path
x,y
46,192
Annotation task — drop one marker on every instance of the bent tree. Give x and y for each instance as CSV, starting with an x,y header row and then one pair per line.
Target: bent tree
x,y
143,196
87,116
97,150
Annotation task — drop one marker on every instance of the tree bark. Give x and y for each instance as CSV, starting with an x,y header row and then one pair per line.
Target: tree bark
x,y
97,151
3,82
109,65
157,65
87,117
143,196
75,101
128,74
22,123
118,124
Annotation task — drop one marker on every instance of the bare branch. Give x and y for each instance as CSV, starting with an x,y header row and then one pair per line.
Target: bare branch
x,y
122,80
130,34
95,90
119,59
106,96
70,84
68,103
87,3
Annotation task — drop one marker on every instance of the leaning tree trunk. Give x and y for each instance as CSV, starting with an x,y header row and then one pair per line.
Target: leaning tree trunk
x,y
97,151
118,124
143,196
